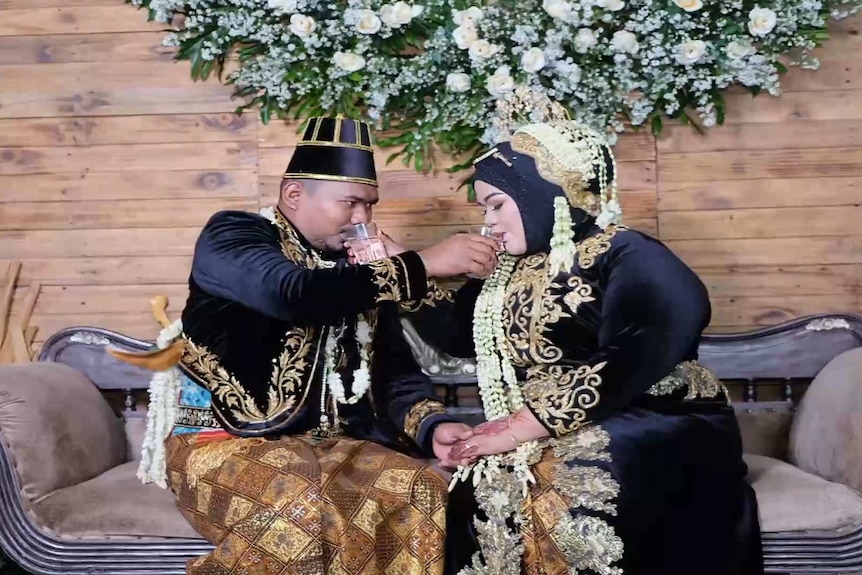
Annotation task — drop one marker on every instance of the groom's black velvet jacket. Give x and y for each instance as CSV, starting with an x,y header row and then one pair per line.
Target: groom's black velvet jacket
x,y
261,304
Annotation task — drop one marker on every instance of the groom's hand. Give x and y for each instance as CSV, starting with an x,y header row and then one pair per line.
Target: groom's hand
x,y
446,435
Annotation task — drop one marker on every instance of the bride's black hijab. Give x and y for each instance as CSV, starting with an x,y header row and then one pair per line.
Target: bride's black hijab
x,y
517,175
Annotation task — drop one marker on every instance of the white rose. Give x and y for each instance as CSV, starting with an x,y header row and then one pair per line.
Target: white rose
x,y
689,5
302,26
571,71
585,39
501,82
625,42
348,61
761,21
690,52
458,82
559,9
282,5
482,49
737,50
469,16
368,23
533,60
612,5
398,14
465,36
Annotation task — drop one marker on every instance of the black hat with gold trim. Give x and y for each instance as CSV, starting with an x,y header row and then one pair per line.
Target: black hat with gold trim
x,y
334,149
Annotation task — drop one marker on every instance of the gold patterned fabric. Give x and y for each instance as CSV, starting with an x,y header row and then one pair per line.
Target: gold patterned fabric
x,y
306,506
419,413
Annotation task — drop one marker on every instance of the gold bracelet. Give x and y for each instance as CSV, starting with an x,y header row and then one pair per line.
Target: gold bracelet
x,y
511,433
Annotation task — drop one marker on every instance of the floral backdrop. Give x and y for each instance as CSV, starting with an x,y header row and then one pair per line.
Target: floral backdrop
x,y
430,74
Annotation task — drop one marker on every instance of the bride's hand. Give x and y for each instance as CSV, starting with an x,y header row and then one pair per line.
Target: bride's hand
x,y
498,436
489,438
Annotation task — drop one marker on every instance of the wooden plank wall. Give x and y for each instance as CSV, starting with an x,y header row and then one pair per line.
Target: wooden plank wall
x,y
111,159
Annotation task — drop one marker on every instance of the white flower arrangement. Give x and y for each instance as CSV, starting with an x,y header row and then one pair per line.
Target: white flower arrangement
x,y
431,71
162,413
498,383
361,375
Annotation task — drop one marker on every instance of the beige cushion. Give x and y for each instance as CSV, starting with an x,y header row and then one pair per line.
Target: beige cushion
x,y
114,504
58,428
765,432
826,437
790,499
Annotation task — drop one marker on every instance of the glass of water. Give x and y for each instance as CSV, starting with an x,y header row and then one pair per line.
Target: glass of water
x,y
364,242
488,232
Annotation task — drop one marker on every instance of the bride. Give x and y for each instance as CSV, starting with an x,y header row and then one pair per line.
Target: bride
x,y
607,449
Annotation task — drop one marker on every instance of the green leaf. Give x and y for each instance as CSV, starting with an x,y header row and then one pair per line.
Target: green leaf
x,y
265,112
782,69
656,124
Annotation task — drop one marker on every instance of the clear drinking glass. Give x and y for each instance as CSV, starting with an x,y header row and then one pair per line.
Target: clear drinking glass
x,y
364,243
488,232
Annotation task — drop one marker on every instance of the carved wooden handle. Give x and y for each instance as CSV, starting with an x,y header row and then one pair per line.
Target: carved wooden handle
x,y
159,304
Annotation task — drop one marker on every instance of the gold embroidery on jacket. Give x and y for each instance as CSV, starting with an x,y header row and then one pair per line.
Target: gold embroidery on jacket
x,y
418,413
592,247
561,395
390,275
529,312
293,248
288,375
578,293
699,380
433,296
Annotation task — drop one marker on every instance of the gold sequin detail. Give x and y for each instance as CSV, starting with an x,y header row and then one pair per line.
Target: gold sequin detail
x,y
573,180
590,543
700,381
558,536
588,487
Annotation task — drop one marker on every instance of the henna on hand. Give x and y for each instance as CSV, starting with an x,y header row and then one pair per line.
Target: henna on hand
x,y
495,427
462,451
520,416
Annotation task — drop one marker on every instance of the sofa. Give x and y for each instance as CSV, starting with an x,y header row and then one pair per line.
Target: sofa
x,y
71,427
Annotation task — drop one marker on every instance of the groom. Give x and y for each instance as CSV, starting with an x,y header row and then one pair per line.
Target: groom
x,y
320,406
